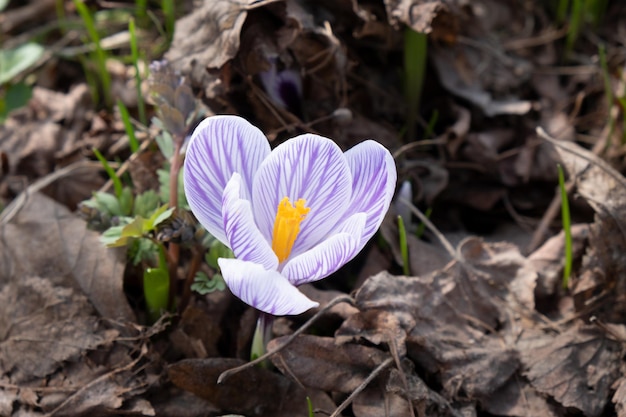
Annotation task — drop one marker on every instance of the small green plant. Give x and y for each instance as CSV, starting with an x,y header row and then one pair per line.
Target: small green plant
x,y
421,227
309,405
415,51
156,284
404,247
154,225
567,228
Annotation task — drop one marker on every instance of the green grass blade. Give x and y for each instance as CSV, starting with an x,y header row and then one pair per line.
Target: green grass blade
x,y
404,247
415,50
575,20
169,11
422,227
134,50
567,228
117,183
100,54
128,126
561,10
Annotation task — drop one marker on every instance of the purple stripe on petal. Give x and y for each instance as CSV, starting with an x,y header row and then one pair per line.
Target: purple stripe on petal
x,y
266,290
219,147
374,181
328,256
310,167
244,238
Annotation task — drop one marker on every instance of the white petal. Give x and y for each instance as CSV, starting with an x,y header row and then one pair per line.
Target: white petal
x,y
219,147
373,183
244,237
310,167
266,290
328,256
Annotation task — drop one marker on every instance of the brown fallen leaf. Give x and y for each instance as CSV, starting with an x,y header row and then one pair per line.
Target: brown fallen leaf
x,y
602,282
319,362
43,326
449,318
113,393
619,398
208,37
253,392
44,239
549,259
577,367
518,399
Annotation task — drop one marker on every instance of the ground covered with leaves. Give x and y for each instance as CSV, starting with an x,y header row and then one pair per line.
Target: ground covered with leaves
x,y
493,303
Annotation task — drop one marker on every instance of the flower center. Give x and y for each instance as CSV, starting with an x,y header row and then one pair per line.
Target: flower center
x,y
287,226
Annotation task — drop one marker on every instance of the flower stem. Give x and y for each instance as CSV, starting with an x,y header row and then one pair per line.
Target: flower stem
x,y
174,249
262,335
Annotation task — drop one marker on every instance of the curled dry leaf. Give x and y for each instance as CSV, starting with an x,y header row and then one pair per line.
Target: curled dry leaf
x,y
44,239
449,318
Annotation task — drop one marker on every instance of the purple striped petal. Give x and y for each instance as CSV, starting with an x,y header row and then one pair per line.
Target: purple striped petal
x,y
219,147
374,181
264,290
244,238
328,256
310,167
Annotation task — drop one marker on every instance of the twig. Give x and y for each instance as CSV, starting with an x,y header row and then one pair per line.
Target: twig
x,y
16,205
444,242
361,387
341,299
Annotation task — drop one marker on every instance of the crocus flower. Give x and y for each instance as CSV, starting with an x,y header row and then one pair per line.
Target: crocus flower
x,y
292,215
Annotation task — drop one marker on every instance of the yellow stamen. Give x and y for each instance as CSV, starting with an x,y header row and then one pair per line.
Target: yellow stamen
x,y
287,226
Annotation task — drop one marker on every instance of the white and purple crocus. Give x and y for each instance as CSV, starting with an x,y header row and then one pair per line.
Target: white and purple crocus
x,y
292,215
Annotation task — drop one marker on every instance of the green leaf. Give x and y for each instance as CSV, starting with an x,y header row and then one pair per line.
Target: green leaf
x,y
156,288
135,229
126,201
111,236
16,96
202,284
160,215
216,251
3,4
15,61
107,203
117,183
140,250
165,143
164,188
146,203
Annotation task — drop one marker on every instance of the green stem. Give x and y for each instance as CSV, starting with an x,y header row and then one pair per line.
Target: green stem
x,y
262,336
174,249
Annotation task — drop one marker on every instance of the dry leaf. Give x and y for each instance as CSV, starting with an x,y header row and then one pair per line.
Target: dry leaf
x,y
44,239
255,391
43,326
208,37
577,367
319,362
